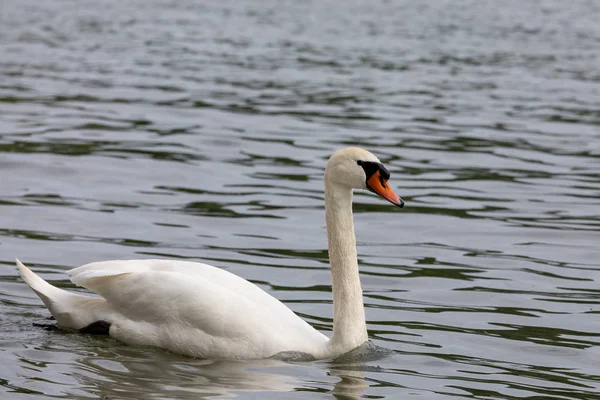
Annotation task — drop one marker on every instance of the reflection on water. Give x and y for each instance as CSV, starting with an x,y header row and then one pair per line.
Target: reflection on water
x,y
179,378
200,131
83,365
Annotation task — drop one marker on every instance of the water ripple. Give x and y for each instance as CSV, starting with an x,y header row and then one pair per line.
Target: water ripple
x,y
200,131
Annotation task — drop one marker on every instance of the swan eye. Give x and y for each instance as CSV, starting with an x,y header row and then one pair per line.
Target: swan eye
x,y
359,162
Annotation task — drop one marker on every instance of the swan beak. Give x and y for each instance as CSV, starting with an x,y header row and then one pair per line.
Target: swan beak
x,y
376,183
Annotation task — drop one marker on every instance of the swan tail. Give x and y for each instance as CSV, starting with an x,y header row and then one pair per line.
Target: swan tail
x,y
70,310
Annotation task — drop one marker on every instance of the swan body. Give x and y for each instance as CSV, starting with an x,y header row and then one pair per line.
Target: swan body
x,y
203,311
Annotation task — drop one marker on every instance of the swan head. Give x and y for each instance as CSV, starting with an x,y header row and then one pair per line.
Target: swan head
x,y
356,168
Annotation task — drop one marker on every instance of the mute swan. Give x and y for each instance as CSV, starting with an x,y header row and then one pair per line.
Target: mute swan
x,y
203,311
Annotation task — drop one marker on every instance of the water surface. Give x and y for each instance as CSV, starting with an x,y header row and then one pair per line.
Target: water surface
x,y
200,131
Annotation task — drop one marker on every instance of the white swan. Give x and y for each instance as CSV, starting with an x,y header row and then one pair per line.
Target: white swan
x,y
203,311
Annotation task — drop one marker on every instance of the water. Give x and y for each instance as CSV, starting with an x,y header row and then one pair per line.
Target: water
x,y
200,131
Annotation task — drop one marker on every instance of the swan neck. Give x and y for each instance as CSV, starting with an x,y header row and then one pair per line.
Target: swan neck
x,y
349,326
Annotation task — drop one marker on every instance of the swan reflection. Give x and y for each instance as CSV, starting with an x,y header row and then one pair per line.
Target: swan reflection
x,y
170,376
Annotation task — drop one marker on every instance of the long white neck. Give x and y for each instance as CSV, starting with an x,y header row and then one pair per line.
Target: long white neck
x,y
349,326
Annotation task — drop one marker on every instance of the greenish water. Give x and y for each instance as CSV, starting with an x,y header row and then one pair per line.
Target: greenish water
x,y
200,131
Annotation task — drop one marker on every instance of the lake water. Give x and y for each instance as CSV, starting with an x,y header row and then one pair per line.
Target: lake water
x,y
200,131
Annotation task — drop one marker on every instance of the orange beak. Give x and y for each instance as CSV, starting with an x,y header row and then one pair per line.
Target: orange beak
x,y
379,185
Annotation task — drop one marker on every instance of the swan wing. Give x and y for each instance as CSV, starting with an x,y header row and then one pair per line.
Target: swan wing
x,y
194,308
